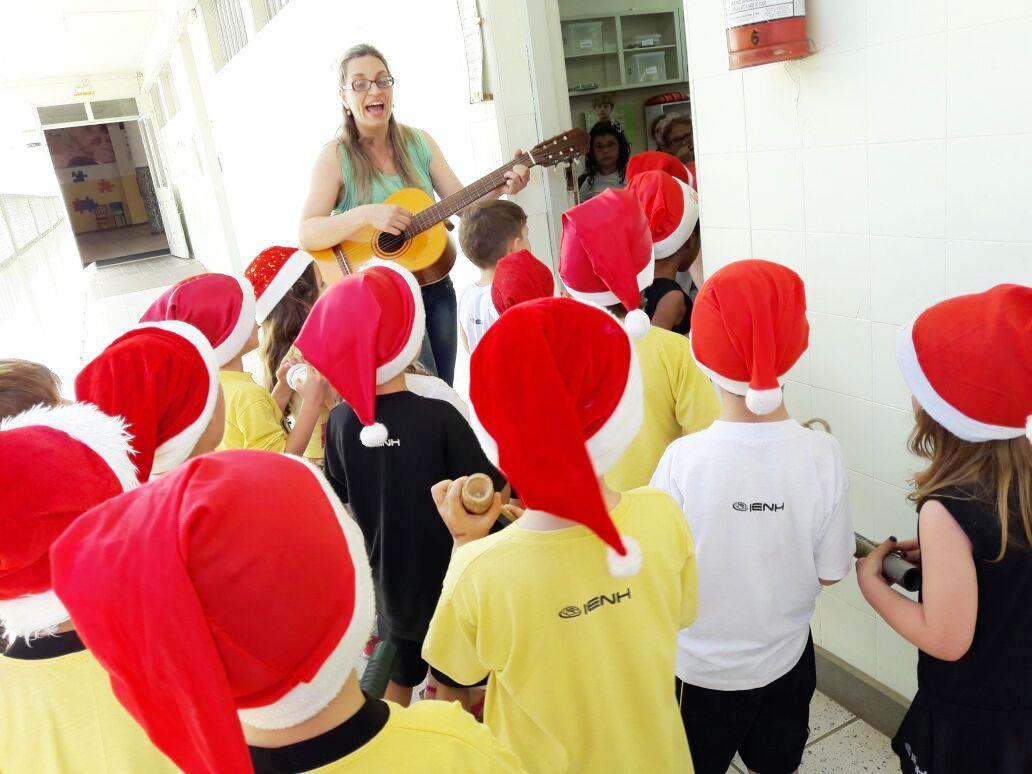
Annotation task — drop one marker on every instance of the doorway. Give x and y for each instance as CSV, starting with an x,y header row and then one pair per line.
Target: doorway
x,y
109,191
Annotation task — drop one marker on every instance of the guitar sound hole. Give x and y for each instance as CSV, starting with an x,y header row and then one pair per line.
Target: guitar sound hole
x,y
390,244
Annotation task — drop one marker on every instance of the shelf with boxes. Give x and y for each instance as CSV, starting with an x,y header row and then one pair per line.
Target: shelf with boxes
x,y
623,51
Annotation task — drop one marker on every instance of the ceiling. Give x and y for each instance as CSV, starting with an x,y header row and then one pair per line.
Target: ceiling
x,y
52,39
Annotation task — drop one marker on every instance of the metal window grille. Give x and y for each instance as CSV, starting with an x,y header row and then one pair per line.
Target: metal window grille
x,y
159,109
229,27
39,215
168,91
20,214
6,242
273,7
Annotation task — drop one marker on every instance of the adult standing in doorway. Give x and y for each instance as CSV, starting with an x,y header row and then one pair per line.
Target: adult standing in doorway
x,y
372,157
679,140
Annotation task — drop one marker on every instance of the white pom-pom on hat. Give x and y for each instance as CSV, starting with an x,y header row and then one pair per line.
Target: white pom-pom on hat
x,y
627,565
636,323
762,401
374,435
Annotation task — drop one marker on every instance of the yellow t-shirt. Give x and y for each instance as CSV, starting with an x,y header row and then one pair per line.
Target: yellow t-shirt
x,y
580,663
679,399
58,715
430,736
316,449
252,416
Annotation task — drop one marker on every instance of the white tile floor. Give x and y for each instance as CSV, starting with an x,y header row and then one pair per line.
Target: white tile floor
x,y
116,242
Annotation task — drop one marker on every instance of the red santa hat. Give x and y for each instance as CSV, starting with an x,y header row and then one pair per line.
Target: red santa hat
x,y
218,305
58,462
520,277
565,415
752,329
658,160
606,254
968,361
207,607
163,380
273,273
364,331
671,207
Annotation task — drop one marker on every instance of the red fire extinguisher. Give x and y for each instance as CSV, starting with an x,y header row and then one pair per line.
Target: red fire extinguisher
x,y
763,31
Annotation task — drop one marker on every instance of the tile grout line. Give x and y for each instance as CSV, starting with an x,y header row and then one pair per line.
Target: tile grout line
x,y
833,731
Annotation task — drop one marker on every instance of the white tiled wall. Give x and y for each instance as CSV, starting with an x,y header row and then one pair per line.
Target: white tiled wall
x,y
890,169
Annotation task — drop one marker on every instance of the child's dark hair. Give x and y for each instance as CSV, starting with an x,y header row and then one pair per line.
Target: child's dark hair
x,y
603,99
602,129
284,323
619,311
488,228
996,473
24,384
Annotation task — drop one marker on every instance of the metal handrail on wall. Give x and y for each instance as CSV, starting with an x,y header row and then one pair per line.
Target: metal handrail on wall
x,y
24,220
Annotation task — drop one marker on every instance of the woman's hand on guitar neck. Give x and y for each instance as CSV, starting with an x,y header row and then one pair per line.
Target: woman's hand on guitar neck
x,y
516,179
387,217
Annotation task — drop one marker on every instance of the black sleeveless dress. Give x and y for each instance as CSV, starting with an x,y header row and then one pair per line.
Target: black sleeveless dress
x,y
975,714
659,288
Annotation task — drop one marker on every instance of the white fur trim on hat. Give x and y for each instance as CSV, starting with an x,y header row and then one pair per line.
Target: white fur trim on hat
x,y
105,435
610,441
241,332
32,616
731,385
177,448
958,423
306,700
671,243
408,353
606,298
281,284
627,565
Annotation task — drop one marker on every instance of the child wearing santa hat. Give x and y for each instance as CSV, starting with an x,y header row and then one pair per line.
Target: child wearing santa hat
x,y
606,259
767,502
968,364
222,308
161,378
385,448
286,286
519,277
672,209
489,230
57,710
572,611
223,625
24,384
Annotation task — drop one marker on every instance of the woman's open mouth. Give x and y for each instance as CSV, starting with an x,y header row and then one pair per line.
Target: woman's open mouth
x,y
375,109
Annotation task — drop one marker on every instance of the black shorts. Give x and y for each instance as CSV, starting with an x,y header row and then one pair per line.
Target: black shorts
x,y
767,726
409,667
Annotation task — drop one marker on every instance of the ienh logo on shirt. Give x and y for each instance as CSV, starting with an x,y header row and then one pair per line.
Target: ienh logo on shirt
x,y
740,506
572,611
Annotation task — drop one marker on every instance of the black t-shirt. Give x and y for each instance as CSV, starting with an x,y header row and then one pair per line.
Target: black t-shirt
x,y
659,288
996,673
388,489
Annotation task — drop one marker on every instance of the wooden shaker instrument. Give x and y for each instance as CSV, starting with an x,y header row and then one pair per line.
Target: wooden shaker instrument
x,y
478,493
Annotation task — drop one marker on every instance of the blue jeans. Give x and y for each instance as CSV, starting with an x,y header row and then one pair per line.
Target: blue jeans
x,y
441,339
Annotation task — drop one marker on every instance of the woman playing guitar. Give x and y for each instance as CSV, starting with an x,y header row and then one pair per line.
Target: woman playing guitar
x,y
372,157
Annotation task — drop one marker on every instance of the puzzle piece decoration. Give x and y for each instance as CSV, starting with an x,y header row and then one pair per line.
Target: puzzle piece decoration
x,y
105,186
84,205
78,176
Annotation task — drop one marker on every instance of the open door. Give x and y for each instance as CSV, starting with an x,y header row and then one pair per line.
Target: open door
x,y
170,217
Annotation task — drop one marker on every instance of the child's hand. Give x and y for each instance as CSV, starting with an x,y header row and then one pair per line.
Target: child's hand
x,y
869,569
314,387
284,366
912,549
463,525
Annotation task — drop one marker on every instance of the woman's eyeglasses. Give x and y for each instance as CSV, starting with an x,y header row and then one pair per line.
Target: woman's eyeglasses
x,y
365,85
679,142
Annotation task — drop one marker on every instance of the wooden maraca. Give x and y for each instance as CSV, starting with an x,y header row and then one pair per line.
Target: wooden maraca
x,y
478,493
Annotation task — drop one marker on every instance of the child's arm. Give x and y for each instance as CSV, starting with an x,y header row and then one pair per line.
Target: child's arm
x,y
465,341
281,391
670,310
943,623
313,394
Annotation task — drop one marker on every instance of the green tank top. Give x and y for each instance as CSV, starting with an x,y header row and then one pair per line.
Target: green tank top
x,y
384,185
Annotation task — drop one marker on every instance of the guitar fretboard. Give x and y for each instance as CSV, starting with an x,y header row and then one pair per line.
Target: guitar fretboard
x,y
449,205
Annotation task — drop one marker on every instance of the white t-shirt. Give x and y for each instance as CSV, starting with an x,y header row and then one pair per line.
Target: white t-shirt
x,y
768,507
476,313
438,389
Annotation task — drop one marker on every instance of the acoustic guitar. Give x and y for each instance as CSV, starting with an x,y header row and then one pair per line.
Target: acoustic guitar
x,y
424,248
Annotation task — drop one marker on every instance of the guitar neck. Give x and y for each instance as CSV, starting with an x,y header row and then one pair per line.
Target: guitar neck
x,y
459,200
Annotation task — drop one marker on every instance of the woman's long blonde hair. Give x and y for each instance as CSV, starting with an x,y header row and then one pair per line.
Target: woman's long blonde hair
x,y
997,473
398,136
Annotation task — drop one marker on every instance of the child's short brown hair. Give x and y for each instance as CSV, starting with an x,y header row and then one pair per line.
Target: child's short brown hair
x,y
24,384
487,229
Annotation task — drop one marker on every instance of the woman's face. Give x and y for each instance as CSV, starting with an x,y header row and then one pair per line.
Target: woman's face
x,y
371,109
606,151
681,142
